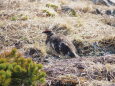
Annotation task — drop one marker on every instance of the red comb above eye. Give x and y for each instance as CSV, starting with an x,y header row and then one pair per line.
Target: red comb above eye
x,y
46,30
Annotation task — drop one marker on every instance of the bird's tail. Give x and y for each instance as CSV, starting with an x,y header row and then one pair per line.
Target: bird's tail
x,y
77,56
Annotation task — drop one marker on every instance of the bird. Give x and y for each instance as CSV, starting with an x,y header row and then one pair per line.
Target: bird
x,y
60,45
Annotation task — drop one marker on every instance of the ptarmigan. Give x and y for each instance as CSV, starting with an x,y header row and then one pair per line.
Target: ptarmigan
x,y
60,45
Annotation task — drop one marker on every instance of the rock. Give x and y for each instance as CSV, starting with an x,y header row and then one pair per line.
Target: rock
x,y
105,2
88,49
68,10
110,12
2,38
80,66
35,53
108,45
112,2
98,11
104,12
114,12
18,45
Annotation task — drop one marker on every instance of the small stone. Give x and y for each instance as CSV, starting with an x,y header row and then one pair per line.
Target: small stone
x,y
108,12
35,53
98,11
18,45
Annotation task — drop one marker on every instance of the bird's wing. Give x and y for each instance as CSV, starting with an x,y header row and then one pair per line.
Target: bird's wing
x,y
54,43
68,43
62,46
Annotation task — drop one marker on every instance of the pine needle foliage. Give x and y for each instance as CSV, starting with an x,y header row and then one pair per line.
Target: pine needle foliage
x,y
16,70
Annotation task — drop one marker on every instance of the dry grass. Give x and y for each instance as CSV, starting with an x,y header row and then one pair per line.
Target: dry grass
x,y
86,72
25,20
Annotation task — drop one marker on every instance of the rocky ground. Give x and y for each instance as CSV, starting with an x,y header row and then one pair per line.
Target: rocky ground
x,y
91,71
89,24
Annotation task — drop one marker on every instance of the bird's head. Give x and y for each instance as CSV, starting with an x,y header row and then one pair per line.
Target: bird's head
x,y
48,32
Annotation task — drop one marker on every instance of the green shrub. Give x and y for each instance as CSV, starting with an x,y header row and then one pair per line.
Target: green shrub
x,y
19,17
14,18
72,12
24,17
16,70
52,6
49,13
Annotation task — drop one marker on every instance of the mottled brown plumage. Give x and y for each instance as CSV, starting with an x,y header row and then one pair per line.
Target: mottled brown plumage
x,y
60,45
